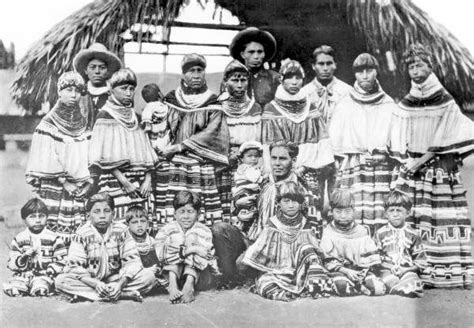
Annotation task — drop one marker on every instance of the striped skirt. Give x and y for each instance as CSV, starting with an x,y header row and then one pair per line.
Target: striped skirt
x,y
224,182
66,212
185,173
369,184
108,183
310,279
440,214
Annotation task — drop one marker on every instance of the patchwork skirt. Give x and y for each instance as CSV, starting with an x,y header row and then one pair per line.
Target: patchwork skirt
x,y
440,214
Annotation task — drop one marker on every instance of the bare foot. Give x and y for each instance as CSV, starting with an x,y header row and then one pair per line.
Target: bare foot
x,y
132,296
173,290
188,290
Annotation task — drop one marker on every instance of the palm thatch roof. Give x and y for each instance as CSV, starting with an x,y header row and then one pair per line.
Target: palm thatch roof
x,y
351,26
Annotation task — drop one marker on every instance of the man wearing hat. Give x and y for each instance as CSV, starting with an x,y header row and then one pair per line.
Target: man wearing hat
x,y
254,47
96,64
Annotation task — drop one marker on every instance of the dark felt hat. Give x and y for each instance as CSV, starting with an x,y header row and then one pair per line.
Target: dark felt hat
x,y
253,34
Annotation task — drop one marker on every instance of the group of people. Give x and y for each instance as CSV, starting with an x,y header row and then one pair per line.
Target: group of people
x,y
203,190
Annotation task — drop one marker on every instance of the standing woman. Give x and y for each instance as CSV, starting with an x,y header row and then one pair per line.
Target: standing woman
x,y
358,133
121,158
431,137
199,145
57,165
243,116
291,117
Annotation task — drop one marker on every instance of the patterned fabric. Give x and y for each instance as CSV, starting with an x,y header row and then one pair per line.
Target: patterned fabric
x,y
248,180
401,248
359,130
355,250
102,256
325,98
308,132
267,206
434,123
30,276
171,238
290,260
55,155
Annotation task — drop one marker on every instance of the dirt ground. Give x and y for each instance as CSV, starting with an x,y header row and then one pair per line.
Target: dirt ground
x,y
229,308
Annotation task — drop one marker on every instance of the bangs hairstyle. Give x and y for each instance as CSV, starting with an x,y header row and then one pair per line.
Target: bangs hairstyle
x,y
365,61
151,92
34,205
184,198
324,49
291,68
291,190
121,77
341,198
135,211
99,198
396,198
292,148
417,52
235,68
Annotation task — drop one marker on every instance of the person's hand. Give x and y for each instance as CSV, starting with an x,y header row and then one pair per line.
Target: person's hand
x,y
145,187
114,289
204,253
154,268
130,188
84,191
71,188
171,150
28,254
353,275
101,289
246,201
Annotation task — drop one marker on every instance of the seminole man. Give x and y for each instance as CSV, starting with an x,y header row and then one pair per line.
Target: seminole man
x,y
253,47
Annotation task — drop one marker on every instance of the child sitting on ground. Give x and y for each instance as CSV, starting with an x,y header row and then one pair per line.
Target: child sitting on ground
x,y
248,179
352,256
36,255
185,246
138,225
403,255
154,118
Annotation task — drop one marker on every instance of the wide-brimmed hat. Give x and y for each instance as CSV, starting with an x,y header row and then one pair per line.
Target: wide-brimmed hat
x,y
96,51
256,35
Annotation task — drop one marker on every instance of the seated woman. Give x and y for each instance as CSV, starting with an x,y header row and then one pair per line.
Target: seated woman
x,y
287,253
103,263
120,152
185,248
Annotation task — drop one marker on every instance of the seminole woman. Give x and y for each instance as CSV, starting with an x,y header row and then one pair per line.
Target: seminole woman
x,y
199,145
57,165
121,158
358,133
291,117
430,137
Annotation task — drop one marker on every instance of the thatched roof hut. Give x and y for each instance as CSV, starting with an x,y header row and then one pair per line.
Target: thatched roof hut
x,y
383,27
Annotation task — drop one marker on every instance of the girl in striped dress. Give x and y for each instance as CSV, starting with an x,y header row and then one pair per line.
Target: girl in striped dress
x,y
121,158
286,253
291,117
57,164
358,133
430,137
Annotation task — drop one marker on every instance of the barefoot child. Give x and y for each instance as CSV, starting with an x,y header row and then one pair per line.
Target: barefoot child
x,y
352,256
138,224
36,254
403,255
103,263
185,246
248,179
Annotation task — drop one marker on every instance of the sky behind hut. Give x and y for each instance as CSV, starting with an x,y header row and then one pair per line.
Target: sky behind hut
x,y
25,21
